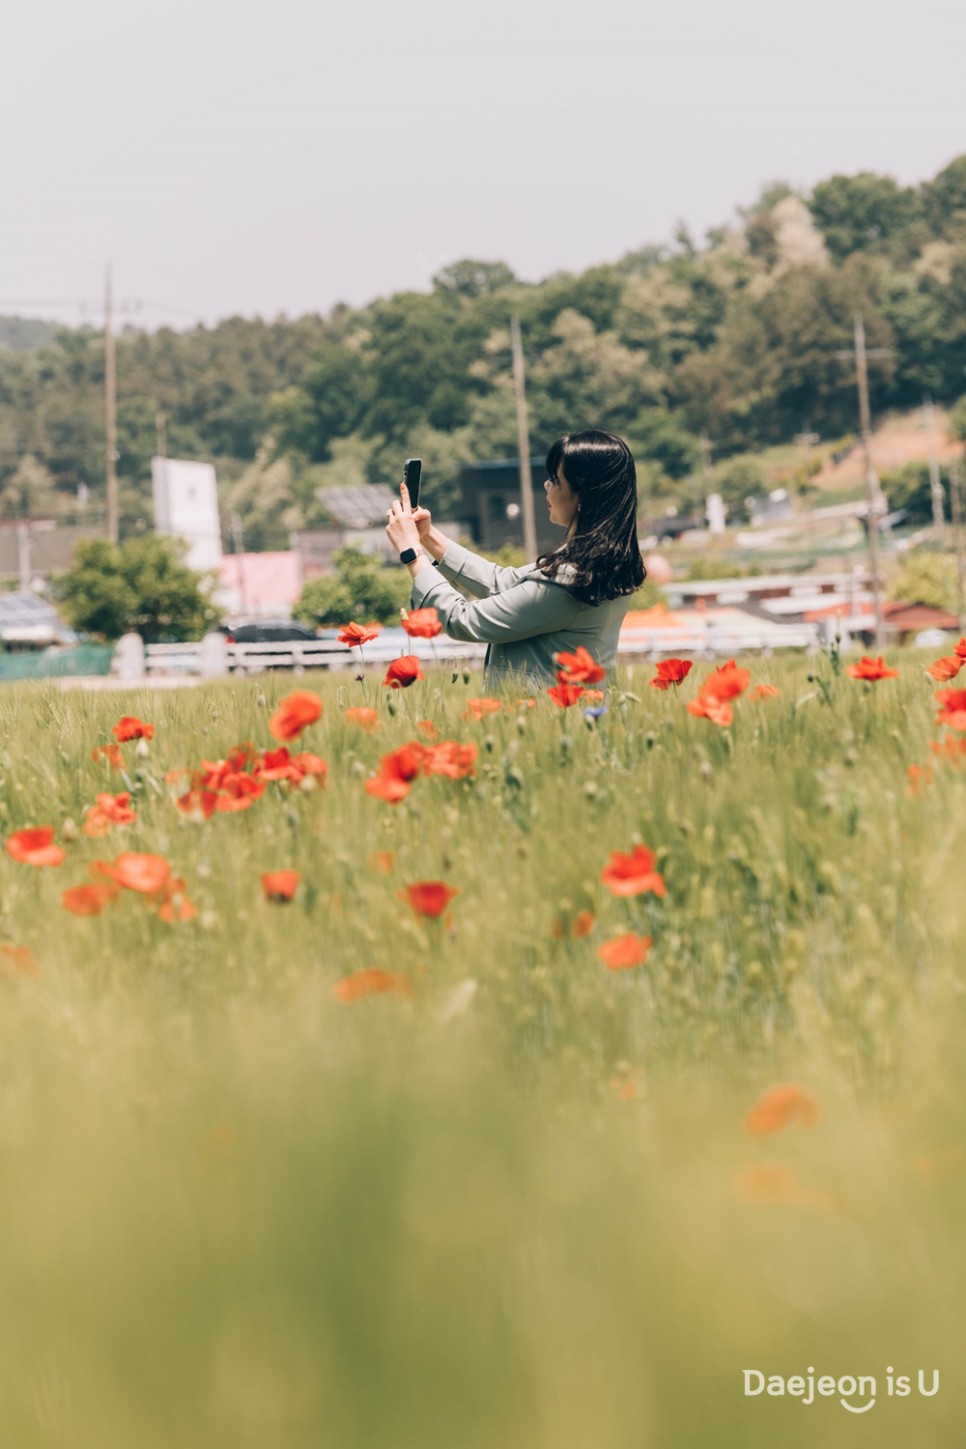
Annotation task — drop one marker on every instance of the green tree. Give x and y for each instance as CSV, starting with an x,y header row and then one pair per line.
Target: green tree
x,y
360,587
142,584
945,195
739,479
327,403
927,578
909,488
469,278
658,435
855,213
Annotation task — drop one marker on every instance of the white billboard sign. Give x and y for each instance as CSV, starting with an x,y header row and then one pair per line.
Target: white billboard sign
x,y
186,506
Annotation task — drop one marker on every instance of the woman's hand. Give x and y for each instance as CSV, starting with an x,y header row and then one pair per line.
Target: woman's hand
x,y
423,520
401,527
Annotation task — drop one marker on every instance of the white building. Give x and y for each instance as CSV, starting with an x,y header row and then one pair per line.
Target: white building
x,y
186,506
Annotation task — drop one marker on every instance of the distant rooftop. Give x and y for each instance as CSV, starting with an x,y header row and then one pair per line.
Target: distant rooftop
x,y
358,505
26,618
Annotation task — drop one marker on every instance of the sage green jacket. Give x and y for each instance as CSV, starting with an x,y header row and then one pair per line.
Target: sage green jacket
x,y
524,617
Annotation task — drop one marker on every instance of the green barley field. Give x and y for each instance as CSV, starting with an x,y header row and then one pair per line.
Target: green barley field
x,y
518,1200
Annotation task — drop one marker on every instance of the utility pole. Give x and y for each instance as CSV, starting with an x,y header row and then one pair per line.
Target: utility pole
x,y
871,481
110,410
935,481
23,554
956,508
523,444
238,543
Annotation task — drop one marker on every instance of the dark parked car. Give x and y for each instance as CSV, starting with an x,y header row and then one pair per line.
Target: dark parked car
x,y
267,631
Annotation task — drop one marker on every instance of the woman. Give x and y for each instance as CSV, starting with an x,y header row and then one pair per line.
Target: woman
x,y
577,594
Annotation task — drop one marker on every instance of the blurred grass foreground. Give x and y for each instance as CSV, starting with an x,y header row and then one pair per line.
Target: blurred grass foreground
x,y
328,1162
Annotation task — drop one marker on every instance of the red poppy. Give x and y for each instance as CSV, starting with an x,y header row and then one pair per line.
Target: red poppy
x,y
633,874
578,668
175,905
427,727
131,728
353,634
238,792
311,768
764,691
387,787
403,672
706,706
775,1184
294,713
782,1106
871,669
422,624
952,749
366,719
371,983
108,811
581,925
276,765
136,871
671,672
198,804
946,668
110,753
918,776
623,952
726,682
280,885
382,861
477,708
525,703
451,759
35,847
17,961
429,897
960,648
396,772
565,695
953,712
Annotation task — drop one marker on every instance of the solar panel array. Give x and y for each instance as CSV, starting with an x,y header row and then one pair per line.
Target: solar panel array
x,y
357,506
26,611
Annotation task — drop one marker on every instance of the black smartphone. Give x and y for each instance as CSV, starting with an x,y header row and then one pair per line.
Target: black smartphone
x,y
411,471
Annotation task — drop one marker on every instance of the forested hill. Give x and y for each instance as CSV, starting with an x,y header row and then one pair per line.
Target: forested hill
x,y
736,336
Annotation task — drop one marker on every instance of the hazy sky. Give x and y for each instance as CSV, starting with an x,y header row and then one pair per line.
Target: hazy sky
x,y
231,158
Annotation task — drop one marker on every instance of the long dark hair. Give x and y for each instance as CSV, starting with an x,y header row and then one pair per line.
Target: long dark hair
x,y
603,548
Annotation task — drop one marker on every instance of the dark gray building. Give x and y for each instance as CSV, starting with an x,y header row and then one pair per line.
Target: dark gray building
x,y
491,509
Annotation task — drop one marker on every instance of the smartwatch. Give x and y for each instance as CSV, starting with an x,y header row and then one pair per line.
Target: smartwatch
x,y
407,555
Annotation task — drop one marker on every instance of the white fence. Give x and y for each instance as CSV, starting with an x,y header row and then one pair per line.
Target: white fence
x,y
301,654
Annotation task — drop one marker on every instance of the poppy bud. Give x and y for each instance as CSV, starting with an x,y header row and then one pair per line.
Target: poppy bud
x,y
466,676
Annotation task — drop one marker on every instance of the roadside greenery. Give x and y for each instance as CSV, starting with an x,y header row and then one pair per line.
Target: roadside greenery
x,y
142,584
